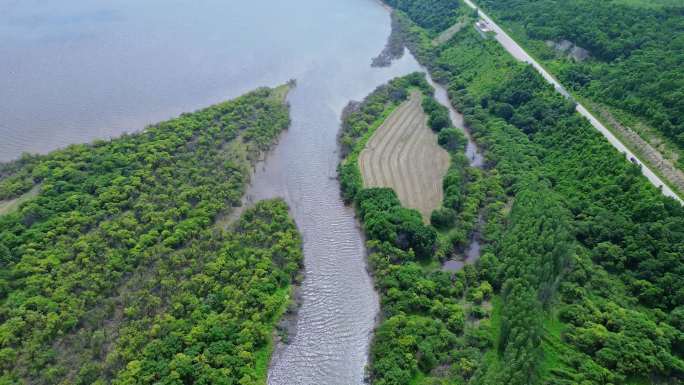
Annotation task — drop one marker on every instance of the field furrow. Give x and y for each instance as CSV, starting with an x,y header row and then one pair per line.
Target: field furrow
x,y
409,166
372,176
387,142
397,157
403,154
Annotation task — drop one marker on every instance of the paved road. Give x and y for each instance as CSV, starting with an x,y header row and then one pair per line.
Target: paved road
x,y
519,53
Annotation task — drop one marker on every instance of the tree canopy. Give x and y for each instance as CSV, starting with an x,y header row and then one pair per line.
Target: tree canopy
x,y
584,256
636,53
116,271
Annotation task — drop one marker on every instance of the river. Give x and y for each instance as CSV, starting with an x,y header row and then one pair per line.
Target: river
x,y
76,70
337,314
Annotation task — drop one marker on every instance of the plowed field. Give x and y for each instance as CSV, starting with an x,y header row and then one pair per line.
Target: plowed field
x,y
403,154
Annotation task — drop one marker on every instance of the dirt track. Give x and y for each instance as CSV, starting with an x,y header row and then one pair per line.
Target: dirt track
x,y
403,154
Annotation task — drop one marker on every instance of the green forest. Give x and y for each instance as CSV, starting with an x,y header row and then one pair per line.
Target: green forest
x,y
117,270
428,315
636,54
433,15
580,280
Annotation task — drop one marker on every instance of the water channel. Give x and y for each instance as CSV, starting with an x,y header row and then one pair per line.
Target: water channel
x,y
476,159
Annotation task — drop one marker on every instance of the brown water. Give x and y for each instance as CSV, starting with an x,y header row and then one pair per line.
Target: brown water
x,y
339,305
472,151
75,70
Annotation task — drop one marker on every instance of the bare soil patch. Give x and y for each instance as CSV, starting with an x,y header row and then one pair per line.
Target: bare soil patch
x,y
403,154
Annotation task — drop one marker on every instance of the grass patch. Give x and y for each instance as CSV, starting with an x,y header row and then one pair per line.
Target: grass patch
x,y
280,93
418,378
429,265
491,359
553,347
638,381
361,143
495,319
463,56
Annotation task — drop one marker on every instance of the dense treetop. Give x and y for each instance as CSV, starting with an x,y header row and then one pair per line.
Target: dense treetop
x,y
115,271
434,15
636,52
583,254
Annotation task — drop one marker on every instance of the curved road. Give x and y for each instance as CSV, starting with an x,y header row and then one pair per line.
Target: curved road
x,y
519,53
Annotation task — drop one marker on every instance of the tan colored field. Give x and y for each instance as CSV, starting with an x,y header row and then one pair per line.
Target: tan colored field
x,y
403,154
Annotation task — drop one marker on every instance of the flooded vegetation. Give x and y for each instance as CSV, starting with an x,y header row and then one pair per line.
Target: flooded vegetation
x,y
476,160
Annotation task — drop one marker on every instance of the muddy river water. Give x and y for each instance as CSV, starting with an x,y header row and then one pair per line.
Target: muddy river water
x,y
76,70
472,252
338,304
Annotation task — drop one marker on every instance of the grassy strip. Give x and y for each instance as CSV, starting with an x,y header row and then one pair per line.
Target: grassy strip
x,y
353,157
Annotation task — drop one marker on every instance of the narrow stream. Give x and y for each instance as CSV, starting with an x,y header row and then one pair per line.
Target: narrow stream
x,y
472,151
79,70
338,304
476,159
330,341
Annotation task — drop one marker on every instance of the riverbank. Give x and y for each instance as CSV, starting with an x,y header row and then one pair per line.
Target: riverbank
x,y
475,158
394,48
336,316
240,154
338,303
9,205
